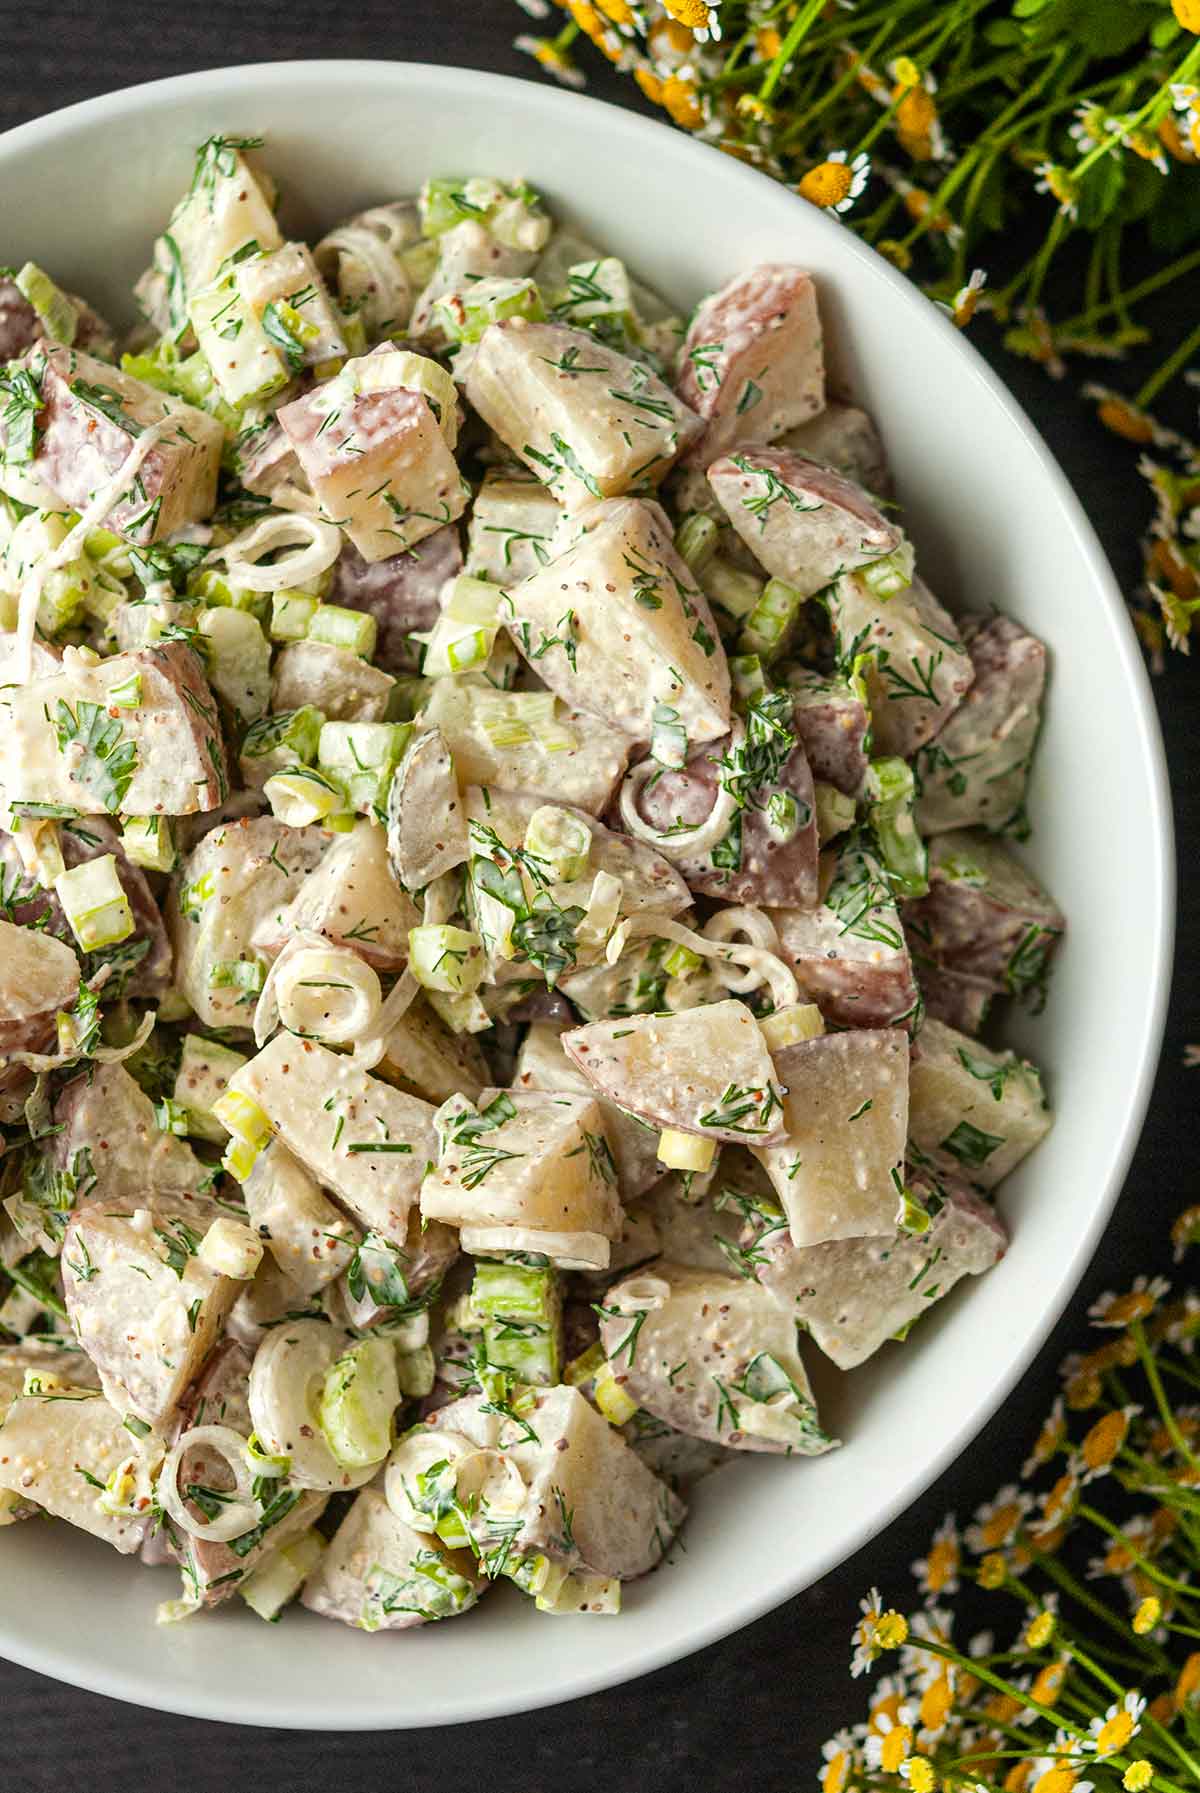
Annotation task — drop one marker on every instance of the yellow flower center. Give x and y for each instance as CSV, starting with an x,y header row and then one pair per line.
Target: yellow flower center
x,y
588,21
679,98
827,184
896,1746
1188,14
1083,1392
1118,1558
906,73
1047,1684
992,1571
1115,1733
649,83
767,42
1004,1707
891,1631
837,1771
886,1706
916,116
1055,1780
1001,1526
1040,1631
896,253
936,1703
1137,1304
943,1564
1059,1499
1147,1615
1017,1778
1186,1229
1104,1440
692,13
921,1777
1137,1777
617,11
1189,1678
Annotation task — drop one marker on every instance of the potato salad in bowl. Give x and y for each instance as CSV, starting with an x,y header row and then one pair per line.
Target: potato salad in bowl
x,y
508,904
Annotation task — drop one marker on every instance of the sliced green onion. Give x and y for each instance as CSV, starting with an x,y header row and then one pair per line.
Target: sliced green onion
x,y
292,613
59,315
361,1392
304,795
891,794
835,811
731,588
696,540
446,959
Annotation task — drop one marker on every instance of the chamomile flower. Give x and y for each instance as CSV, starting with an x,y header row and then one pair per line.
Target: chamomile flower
x,y
875,1632
553,58
1045,1687
835,183
1122,1552
1102,1443
998,1520
698,16
1050,1440
1088,129
837,1755
965,303
1060,183
1139,1302
1040,1623
890,1744
1056,1776
918,1772
1109,1735
937,1573
1138,1776
1185,1230
1057,1504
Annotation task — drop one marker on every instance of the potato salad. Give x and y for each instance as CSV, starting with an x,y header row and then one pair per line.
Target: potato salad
x,y
507,893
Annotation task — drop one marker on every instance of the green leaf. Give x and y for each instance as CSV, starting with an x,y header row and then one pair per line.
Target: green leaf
x,y
108,761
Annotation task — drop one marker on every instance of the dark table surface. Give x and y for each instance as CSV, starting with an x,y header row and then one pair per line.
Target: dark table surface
x,y
758,1705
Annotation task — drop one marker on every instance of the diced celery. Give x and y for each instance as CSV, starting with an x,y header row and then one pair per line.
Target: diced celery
x,y
220,589
64,588
276,743
611,1398
462,1014
529,1350
685,1151
770,624
681,961
465,315
231,1248
362,757
598,292
268,1588
463,636
787,1026
696,540
360,1394
892,573
246,364
835,810
304,795
246,975
445,202
446,959
94,902
59,315
149,841
562,842
734,590
746,671
503,1291
205,1068
416,1372
187,377
291,615
239,661
891,793
585,1367
339,627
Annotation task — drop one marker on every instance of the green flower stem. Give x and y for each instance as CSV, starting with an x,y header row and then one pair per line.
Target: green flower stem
x,y
797,31
984,1674
1148,1723
1144,289
1070,1585
1149,391
1145,1563
1138,1333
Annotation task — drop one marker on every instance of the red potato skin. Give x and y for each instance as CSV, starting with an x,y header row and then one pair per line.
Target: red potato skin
x,y
19,322
834,731
402,593
759,318
968,934
961,1002
773,873
152,975
853,532
78,450
851,992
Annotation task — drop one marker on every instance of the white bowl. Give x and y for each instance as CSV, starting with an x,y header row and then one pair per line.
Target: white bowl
x,y
85,190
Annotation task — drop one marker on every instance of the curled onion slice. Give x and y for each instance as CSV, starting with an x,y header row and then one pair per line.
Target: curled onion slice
x,y
328,993
240,1514
700,838
769,970
317,546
